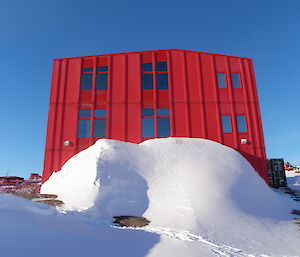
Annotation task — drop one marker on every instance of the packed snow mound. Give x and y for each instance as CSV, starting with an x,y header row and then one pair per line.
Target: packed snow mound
x,y
191,184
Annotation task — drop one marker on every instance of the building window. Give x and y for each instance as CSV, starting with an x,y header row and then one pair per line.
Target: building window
x,y
162,118
162,80
84,113
148,127
101,77
99,123
101,81
87,78
83,129
241,123
148,123
87,70
84,123
161,74
226,124
221,79
146,66
147,81
163,123
161,66
102,68
86,81
235,79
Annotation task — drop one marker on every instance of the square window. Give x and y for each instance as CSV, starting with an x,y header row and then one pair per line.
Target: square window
x,y
86,81
84,113
226,124
161,66
162,80
147,81
236,81
163,112
221,78
100,113
146,66
148,112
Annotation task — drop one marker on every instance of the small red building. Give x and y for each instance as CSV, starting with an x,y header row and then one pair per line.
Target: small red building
x,y
140,95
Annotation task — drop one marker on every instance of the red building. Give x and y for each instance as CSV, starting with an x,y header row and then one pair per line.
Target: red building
x,y
140,95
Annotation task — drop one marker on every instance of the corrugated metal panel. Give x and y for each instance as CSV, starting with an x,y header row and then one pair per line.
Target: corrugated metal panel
x,y
194,99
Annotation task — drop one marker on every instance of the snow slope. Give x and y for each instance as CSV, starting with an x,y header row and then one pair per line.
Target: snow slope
x,y
202,198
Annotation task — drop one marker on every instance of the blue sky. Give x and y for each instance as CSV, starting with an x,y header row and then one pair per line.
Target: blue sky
x,y
34,32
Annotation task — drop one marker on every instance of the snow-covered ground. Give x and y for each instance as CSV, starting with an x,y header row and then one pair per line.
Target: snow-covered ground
x,y
202,198
293,180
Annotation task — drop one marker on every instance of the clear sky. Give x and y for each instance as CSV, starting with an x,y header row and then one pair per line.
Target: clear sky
x,y
34,32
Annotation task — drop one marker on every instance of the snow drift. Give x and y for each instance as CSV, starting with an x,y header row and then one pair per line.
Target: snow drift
x,y
194,185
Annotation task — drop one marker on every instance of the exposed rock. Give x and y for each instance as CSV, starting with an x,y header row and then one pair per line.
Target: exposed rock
x,y
34,195
296,212
131,221
51,202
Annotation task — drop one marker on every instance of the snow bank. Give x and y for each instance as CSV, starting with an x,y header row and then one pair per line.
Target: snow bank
x,y
293,180
32,229
194,185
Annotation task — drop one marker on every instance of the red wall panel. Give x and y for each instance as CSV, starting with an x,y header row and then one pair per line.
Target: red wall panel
x,y
196,103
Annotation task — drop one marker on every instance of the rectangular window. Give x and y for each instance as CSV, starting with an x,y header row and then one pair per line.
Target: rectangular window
x,y
241,123
101,81
148,127
163,127
163,112
235,79
226,124
86,81
84,113
148,112
221,78
146,66
83,128
162,80
100,113
147,81
87,70
161,66
162,118
102,68
99,127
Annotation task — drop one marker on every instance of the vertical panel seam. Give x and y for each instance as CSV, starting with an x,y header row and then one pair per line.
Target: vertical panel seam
x,y
217,101
171,94
202,104
232,104
186,95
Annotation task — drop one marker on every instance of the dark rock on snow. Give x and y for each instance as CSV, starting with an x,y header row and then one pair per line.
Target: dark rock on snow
x,y
131,221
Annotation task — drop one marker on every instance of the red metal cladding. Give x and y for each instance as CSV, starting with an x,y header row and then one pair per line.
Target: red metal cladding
x,y
197,103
